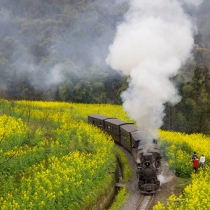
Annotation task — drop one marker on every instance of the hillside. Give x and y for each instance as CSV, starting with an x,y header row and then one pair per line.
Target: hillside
x,y
54,50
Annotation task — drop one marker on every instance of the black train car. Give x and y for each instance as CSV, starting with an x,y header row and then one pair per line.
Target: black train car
x,y
147,156
127,140
154,149
148,181
98,120
112,127
148,160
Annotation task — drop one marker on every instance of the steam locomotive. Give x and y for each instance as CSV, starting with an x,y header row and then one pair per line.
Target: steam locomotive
x,y
146,155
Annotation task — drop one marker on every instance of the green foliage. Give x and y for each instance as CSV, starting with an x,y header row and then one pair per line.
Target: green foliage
x,y
120,199
176,155
53,162
74,35
127,173
192,114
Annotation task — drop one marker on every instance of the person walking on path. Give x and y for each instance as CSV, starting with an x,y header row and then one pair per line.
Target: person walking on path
x,y
195,164
194,155
202,161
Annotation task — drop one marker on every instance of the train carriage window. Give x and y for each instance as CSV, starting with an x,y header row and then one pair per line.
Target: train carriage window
x,y
134,144
124,136
93,122
108,127
100,124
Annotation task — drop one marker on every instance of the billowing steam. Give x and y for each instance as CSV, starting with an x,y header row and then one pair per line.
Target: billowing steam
x,y
193,2
150,46
164,179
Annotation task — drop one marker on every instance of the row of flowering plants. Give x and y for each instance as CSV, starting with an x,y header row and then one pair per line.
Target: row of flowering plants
x,y
52,159
195,195
45,111
177,149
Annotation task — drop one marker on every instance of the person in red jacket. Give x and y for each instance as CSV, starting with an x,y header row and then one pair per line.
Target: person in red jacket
x,y
195,164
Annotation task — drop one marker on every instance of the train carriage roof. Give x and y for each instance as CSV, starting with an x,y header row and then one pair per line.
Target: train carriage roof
x,y
99,116
136,135
117,122
129,127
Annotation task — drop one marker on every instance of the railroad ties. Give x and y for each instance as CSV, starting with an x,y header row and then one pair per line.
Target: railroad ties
x,y
145,203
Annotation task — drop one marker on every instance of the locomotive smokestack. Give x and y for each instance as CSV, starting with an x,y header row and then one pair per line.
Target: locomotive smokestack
x,y
150,46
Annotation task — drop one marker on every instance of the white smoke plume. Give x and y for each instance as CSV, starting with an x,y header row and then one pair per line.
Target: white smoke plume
x,y
193,2
164,179
151,45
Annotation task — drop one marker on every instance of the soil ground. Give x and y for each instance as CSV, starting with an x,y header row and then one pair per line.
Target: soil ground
x,y
170,184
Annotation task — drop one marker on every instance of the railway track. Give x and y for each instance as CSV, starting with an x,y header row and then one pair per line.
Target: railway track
x,y
145,202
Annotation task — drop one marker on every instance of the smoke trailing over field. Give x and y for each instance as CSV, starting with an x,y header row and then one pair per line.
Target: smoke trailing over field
x,y
48,43
153,42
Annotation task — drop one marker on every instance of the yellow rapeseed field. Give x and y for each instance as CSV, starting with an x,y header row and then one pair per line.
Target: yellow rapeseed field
x,y
178,150
61,162
52,159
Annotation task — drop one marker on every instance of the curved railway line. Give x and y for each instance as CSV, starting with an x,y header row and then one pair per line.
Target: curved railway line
x,y
140,143
145,202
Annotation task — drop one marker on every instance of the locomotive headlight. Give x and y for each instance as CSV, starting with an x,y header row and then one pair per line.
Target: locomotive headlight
x,y
147,163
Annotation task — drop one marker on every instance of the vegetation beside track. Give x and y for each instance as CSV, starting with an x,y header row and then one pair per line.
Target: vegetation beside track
x,y
36,138
51,159
178,148
122,195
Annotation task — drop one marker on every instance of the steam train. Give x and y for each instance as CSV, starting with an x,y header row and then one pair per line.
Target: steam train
x,y
146,155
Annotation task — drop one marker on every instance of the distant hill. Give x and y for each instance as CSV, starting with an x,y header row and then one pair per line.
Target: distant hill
x,y
55,46
56,49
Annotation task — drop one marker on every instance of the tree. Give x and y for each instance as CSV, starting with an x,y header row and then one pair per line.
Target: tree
x,y
99,94
82,92
66,91
36,35
112,84
192,114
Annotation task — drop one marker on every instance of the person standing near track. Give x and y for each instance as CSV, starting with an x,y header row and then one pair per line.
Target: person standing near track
x,y
195,164
194,155
202,161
